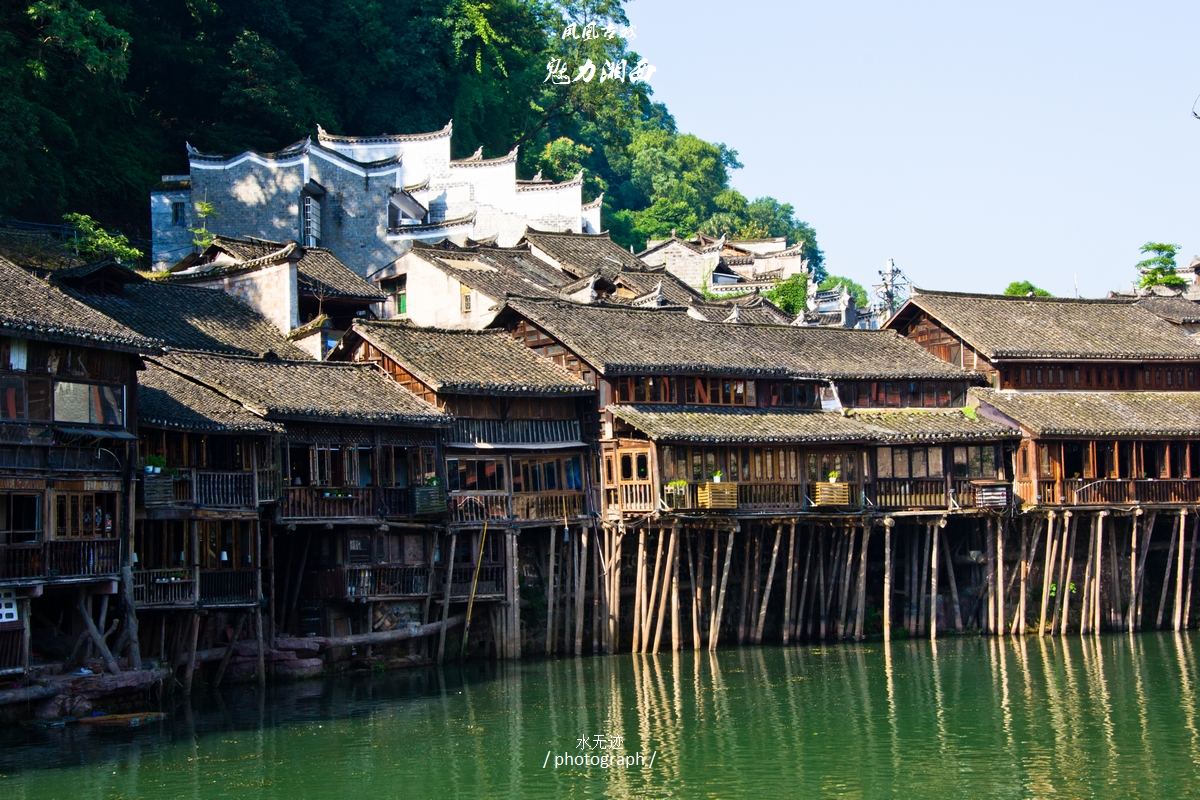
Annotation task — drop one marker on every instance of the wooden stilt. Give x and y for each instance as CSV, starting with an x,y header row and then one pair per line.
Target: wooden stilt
x,y
694,591
1097,581
667,576
800,618
191,661
954,601
1051,552
1001,532
581,590
1131,610
1166,582
639,590
766,598
755,583
887,578
260,647
843,610
1187,600
129,613
934,531
290,618
712,585
1141,570
923,599
745,604
861,605
676,636
237,631
1085,606
1019,625
910,581
1064,588
715,627
448,561
597,593
653,601
1178,619
991,576
824,606
551,574
1116,615
788,591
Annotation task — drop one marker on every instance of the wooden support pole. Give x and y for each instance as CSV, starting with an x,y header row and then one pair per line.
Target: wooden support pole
x,y
1097,580
1064,588
824,591
888,524
1187,600
712,585
910,605
1019,625
653,601
1116,615
934,531
448,560
639,589
1178,620
861,605
110,662
766,598
788,592
1166,582
191,661
1131,610
694,591
715,627
667,576
923,599
237,632
676,635
844,609
1141,570
1085,608
745,604
581,590
1051,552
597,592
800,614
551,575
129,612
1001,531
954,601
260,646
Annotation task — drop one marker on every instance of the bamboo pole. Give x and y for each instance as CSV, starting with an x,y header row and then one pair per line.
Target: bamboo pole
x,y
934,530
1051,552
1166,582
888,524
1141,570
788,592
662,594
800,619
860,618
715,628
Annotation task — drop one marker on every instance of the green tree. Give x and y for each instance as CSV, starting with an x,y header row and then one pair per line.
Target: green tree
x,y
92,243
1159,268
1024,289
790,295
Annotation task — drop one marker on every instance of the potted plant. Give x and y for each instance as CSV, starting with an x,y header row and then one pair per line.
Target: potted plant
x,y
716,477
155,463
833,476
677,487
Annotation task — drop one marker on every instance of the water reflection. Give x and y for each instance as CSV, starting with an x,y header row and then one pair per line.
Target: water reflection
x,y
1102,716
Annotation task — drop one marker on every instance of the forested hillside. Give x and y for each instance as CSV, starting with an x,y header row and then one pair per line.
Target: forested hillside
x,y
100,96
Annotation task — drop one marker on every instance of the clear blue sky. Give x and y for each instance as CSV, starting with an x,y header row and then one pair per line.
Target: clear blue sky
x,y
974,144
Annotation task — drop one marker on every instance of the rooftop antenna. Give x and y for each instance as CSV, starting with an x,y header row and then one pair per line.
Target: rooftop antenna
x,y
1076,276
891,291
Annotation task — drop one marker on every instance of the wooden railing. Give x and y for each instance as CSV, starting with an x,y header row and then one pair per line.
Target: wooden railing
x,y
12,643
67,558
382,580
228,586
637,497
268,484
491,580
394,501
549,505
1121,491
164,587
324,502
224,489
769,496
21,561
479,506
910,493
515,431
833,494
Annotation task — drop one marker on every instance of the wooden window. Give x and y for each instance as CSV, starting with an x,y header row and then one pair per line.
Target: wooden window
x,y
975,461
85,515
1045,466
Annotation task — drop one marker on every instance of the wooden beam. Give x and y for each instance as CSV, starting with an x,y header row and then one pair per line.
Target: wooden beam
x,y
860,617
762,612
237,631
715,628
110,663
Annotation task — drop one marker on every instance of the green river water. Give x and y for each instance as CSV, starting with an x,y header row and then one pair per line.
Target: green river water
x,y
1112,716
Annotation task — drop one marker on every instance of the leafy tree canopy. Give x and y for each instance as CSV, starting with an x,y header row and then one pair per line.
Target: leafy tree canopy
x,y
790,295
1159,268
93,243
861,298
100,96
1024,289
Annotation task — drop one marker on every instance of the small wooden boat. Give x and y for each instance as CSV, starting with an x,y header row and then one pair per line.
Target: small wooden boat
x,y
101,721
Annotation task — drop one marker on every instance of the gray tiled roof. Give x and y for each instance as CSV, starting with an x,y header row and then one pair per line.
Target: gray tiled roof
x,y
191,318
496,272
723,425
309,390
931,425
1173,309
1047,327
318,270
33,308
169,400
469,362
585,253
1098,413
623,340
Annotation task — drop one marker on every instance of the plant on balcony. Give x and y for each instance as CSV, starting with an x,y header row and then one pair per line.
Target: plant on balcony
x,y
715,477
833,476
155,463
433,480
677,487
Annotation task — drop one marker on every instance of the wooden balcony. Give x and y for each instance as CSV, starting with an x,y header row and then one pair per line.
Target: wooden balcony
x,y
228,587
717,496
12,647
164,587
1120,491
376,581
491,580
354,502
203,489
60,558
837,495
515,431
769,497
549,505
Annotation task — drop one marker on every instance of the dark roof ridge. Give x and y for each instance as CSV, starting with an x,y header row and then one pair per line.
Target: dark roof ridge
x,y
1116,301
